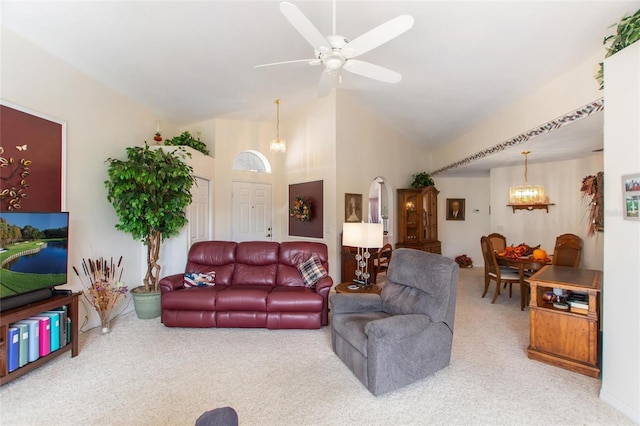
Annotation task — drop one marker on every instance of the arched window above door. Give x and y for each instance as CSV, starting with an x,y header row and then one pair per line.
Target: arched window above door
x,y
252,161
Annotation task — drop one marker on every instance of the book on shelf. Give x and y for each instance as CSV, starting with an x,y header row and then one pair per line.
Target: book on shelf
x,y
578,304
576,296
576,310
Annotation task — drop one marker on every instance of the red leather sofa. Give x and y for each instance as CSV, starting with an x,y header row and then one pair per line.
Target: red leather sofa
x,y
257,284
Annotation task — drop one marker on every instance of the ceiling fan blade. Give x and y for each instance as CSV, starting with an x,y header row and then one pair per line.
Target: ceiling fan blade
x,y
312,61
328,80
378,36
306,29
370,70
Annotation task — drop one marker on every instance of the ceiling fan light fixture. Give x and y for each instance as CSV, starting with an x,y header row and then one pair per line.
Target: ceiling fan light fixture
x,y
277,144
333,61
526,194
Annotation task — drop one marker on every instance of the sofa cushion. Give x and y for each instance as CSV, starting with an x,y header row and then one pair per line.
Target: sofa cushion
x,y
256,263
293,253
217,256
198,279
312,270
191,299
250,298
294,299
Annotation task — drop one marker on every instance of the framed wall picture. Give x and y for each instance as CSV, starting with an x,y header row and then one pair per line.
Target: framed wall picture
x,y
630,196
353,207
455,208
32,154
312,194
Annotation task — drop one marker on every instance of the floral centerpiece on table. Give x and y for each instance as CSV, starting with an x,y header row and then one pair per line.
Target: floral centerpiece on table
x,y
103,286
301,209
464,261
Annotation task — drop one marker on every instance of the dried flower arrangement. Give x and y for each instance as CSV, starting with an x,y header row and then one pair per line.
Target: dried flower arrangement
x,y
464,261
592,191
102,280
301,209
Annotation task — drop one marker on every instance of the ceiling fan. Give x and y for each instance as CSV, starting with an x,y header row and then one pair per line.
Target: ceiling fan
x,y
336,52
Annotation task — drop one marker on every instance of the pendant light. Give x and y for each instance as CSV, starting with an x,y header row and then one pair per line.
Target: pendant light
x,y
526,194
278,145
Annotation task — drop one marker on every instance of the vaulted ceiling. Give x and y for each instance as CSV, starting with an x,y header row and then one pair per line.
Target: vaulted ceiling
x,y
462,61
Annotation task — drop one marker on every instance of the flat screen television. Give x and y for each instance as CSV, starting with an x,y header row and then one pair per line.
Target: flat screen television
x,y
33,256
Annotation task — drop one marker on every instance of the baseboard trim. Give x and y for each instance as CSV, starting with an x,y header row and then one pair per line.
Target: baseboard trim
x,y
631,412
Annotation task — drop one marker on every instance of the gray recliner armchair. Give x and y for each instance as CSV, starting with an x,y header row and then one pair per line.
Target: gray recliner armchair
x,y
404,334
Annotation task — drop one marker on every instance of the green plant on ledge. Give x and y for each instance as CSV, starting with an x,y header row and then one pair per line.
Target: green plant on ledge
x,y
150,192
185,139
421,180
628,32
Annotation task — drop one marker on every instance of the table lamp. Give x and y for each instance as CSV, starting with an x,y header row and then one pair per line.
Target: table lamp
x,y
363,236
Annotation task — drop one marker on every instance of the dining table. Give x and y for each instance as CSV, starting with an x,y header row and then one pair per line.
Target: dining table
x,y
525,266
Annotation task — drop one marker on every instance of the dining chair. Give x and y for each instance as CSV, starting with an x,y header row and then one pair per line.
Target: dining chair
x,y
498,241
381,263
493,272
567,251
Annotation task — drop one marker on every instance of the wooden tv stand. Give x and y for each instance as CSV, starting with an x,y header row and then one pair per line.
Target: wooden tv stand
x,y
26,311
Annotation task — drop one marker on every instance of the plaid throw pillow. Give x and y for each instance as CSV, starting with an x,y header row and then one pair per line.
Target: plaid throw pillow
x,y
312,270
197,279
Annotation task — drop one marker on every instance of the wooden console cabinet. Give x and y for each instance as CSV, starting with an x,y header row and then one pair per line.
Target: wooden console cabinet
x,y
17,314
418,219
561,337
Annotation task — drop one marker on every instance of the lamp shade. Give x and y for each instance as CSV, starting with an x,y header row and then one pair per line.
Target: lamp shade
x,y
367,235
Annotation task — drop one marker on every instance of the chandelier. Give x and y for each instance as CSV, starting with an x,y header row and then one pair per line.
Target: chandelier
x,y
526,194
278,145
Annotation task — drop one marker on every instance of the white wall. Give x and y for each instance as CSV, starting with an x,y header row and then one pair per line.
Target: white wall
x,y
367,148
311,156
562,181
226,139
100,124
463,237
621,281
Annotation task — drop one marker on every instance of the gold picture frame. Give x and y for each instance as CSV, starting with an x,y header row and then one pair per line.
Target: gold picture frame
x,y
353,207
455,208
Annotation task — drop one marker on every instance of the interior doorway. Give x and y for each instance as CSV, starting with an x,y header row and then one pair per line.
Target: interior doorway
x,y
381,203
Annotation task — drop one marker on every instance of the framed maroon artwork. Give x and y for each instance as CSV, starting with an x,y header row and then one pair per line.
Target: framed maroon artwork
x,y
31,161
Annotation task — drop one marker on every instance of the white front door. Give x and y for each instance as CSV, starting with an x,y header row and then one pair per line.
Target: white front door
x,y
251,212
198,211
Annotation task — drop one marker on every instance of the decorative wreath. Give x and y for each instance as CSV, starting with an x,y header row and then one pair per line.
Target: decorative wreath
x,y
301,209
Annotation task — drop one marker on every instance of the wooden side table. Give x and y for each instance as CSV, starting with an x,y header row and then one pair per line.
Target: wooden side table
x,y
561,337
372,288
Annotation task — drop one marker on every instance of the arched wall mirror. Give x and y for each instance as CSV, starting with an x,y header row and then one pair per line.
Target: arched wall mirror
x,y
381,205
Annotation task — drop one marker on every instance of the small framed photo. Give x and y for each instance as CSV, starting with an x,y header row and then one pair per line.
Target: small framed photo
x,y
631,196
353,207
455,208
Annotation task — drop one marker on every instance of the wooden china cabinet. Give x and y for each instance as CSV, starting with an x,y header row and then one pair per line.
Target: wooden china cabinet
x,y
418,219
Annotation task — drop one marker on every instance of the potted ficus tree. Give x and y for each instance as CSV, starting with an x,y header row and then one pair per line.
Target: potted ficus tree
x,y
150,192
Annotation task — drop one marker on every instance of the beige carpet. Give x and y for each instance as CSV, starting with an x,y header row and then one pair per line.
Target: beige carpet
x,y
143,373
